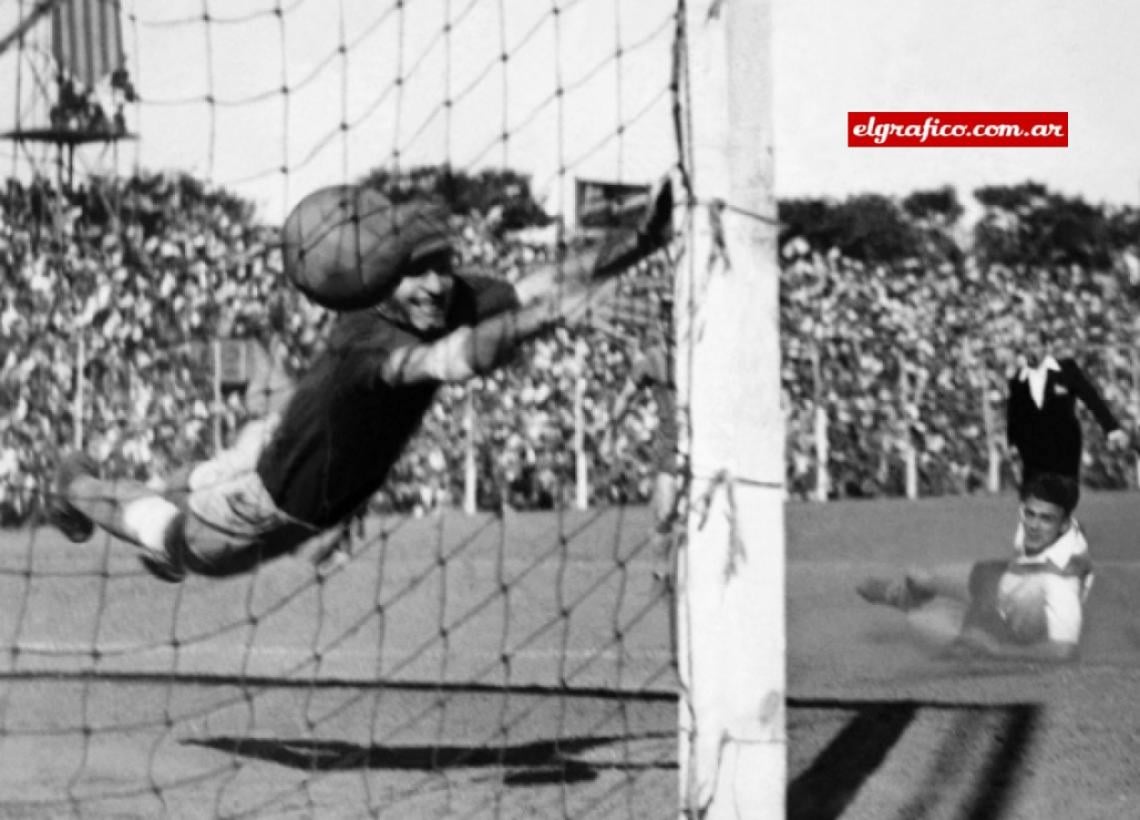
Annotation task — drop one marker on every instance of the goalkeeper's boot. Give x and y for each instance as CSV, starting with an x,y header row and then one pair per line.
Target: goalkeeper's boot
x,y
163,570
906,593
60,512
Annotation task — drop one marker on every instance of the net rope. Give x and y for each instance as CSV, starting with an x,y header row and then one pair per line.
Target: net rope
x,y
499,664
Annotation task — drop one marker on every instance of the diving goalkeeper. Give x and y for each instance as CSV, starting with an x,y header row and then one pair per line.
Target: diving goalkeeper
x,y
303,470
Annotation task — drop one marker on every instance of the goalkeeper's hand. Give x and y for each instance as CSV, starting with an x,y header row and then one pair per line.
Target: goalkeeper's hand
x,y
621,249
1119,439
656,230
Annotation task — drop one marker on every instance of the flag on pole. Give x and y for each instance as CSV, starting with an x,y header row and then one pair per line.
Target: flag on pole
x,y
87,38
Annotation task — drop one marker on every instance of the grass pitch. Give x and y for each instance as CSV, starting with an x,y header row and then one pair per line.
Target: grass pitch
x,y
470,667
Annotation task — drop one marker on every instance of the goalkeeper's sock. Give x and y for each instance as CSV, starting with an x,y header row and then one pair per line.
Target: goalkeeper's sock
x,y
156,525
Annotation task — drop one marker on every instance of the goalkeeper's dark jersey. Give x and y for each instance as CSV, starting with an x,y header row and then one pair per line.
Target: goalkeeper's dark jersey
x,y
345,426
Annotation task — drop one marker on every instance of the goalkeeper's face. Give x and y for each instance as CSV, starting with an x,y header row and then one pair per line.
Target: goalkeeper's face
x,y
423,298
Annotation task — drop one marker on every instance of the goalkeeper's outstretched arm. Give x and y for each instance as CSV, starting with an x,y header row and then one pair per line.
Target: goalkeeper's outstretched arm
x,y
620,250
478,349
553,294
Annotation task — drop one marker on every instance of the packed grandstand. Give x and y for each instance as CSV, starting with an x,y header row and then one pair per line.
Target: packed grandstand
x,y
131,279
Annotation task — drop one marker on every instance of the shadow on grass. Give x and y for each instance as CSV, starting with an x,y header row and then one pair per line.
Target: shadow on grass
x,y
827,788
533,763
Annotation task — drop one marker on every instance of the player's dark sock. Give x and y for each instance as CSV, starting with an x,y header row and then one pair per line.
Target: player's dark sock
x,y
62,514
171,565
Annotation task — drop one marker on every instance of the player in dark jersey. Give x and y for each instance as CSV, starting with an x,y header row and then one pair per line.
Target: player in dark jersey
x,y
305,469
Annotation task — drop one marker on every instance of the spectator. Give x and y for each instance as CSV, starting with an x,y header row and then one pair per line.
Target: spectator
x,y
148,270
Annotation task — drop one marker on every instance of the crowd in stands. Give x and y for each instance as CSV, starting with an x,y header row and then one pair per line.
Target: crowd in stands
x,y
112,293
907,358
118,289
80,110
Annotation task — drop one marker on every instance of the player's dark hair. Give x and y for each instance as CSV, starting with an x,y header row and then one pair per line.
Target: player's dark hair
x,y
1053,488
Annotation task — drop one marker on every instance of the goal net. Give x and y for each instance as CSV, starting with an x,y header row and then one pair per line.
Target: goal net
x,y
514,659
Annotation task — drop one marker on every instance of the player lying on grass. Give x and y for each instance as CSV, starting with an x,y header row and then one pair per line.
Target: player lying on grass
x,y
307,468
1028,607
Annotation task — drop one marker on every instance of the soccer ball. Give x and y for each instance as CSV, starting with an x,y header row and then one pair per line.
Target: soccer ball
x,y
347,247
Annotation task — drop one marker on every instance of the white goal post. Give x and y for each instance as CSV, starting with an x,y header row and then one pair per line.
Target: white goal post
x,y
731,589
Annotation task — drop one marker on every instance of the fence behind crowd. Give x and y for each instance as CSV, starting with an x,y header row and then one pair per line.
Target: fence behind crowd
x,y
891,429
143,415
857,429
895,430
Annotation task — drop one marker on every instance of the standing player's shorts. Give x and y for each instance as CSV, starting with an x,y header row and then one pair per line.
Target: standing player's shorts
x,y
233,523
